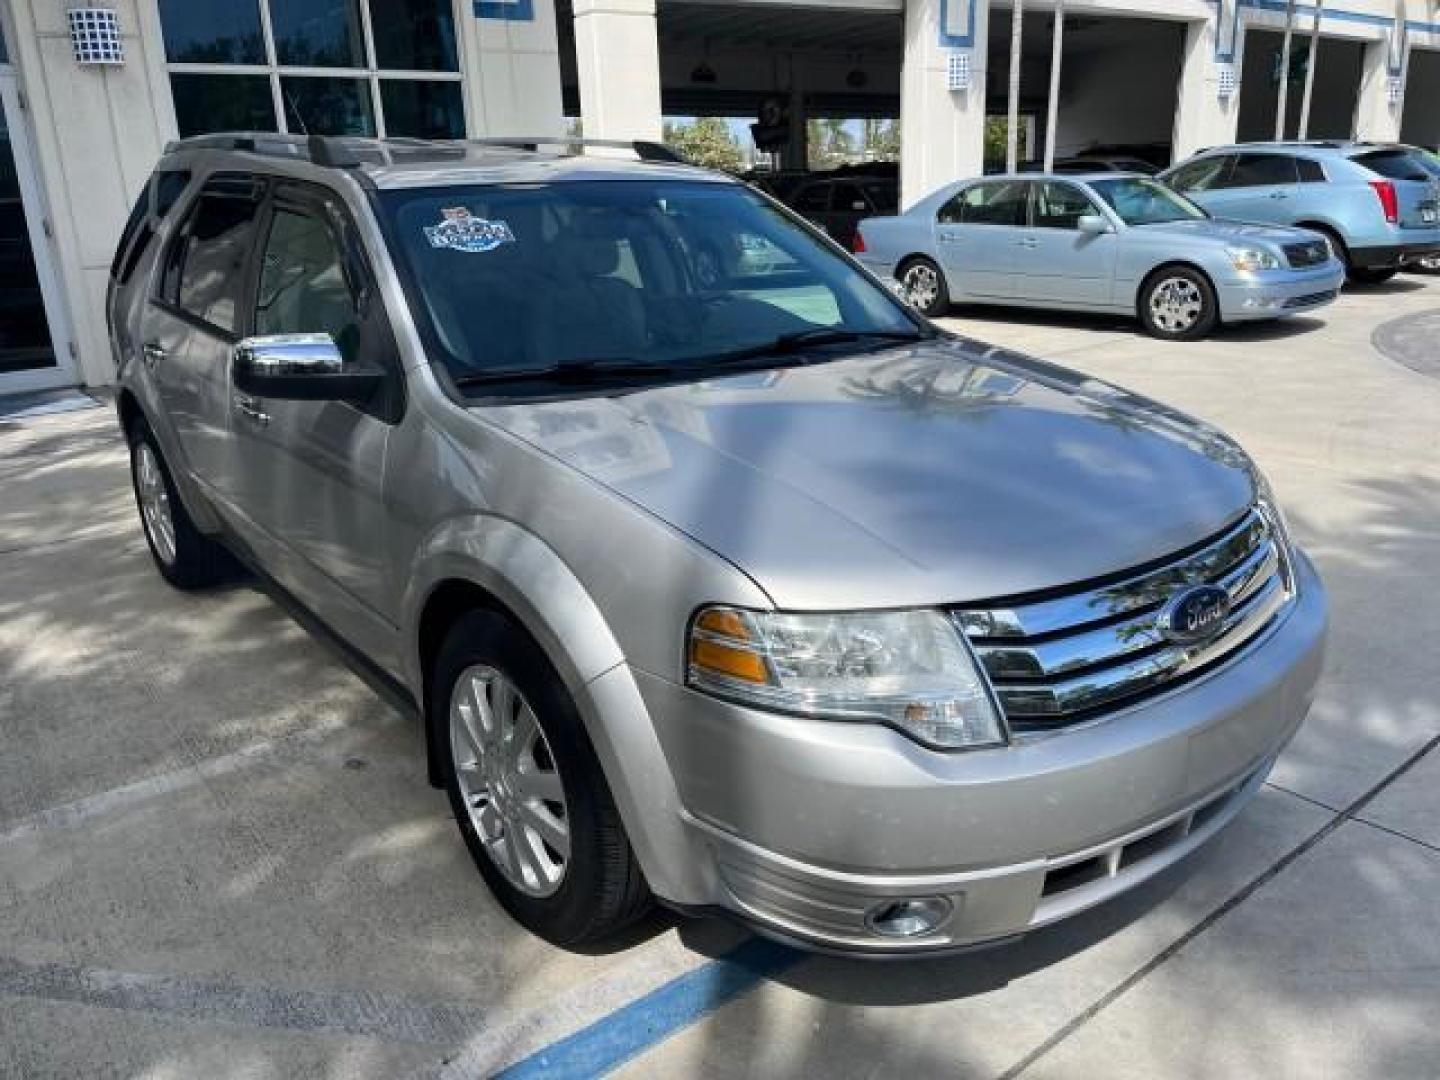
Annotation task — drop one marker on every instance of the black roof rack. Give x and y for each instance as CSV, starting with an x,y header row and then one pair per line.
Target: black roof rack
x,y
345,152
644,149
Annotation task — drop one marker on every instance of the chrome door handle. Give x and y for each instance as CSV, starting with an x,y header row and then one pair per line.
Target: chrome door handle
x,y
1028,242
250,409
152,354
1279,195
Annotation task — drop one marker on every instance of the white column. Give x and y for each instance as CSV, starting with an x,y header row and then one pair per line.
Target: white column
x,y
618,61
1202,116
512,71
1376,118
942,131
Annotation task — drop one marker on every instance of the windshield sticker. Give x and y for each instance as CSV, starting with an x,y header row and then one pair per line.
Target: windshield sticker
x,y
462,231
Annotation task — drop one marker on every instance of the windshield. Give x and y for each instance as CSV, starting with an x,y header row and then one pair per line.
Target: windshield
x,y
532,278
1146,202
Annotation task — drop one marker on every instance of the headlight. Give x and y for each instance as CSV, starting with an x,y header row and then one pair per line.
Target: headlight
x,y
909,669
1275,514
1251,259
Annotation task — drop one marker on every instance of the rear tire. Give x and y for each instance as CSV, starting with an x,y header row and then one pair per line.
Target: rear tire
x,y
527,788
1372,275
1177,303
185,557
923,283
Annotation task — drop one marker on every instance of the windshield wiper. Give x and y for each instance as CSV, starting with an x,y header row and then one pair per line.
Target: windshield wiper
x,y
571,371
800,340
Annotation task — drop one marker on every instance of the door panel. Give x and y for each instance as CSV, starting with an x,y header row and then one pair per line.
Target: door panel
x,y
1260,187
1056,262
978,234
313,472
190,325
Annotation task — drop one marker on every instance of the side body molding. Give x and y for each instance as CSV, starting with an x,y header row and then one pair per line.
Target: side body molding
x,y
533,582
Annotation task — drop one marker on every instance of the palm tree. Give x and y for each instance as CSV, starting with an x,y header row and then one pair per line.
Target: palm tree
x,y
1304,132
1284,71
1057,48
1012,133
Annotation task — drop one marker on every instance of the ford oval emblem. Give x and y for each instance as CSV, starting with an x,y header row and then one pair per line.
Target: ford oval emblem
x,y
1194,614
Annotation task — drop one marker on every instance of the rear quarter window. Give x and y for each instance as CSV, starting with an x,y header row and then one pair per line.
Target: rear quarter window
x,y
1393,164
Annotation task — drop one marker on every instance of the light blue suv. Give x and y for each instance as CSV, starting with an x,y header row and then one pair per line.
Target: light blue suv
x,y
1378,205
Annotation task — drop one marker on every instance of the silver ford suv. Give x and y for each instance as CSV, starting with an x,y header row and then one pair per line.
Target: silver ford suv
x,y
715,574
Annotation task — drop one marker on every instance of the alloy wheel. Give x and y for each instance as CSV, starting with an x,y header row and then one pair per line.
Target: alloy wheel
x,y
1176,304
509,781
155,503
922,286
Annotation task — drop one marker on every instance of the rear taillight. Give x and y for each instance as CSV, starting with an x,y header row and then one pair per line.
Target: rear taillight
x,y
858,247
1389,201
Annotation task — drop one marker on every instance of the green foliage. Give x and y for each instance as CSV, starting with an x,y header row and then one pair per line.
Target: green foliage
x,y
828,143
707,142
882,140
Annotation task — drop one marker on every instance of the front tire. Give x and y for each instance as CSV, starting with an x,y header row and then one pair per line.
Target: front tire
x,y
185,557
527,789
924,286
1177,303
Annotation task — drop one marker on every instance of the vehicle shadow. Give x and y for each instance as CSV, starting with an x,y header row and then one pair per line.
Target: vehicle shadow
x,y
1106,323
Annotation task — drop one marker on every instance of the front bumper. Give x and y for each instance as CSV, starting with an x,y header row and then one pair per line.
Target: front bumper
x,y
804,828
1271,294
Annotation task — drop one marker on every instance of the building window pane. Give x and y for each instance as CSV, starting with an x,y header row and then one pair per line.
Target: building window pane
x,y
212,32
414,35
423,110
328,106
317,33
222,103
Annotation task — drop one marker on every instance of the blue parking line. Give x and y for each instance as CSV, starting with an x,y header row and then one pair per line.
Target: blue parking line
x,y
613,1040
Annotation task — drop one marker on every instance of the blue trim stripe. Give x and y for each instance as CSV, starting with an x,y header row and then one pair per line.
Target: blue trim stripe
x,y
615,1039
509,10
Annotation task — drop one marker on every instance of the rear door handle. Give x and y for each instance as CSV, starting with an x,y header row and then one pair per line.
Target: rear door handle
x,y
249,408
1028,242
1279,195
152,354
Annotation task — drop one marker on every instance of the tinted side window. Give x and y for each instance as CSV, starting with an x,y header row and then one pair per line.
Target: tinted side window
x,y
1311,172
1393,164
1001,202
1202,175
1260,170
138,213
204,273
303,286
1060,206
813,199
169,186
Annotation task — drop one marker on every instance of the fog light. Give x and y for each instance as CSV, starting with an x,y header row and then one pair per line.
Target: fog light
x,y
908,918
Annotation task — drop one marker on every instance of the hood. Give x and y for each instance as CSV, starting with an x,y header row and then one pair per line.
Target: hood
x,y
1230,232
937,473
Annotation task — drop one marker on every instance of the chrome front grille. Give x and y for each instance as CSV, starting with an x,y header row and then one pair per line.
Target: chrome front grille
x,y
1307,253
1062,658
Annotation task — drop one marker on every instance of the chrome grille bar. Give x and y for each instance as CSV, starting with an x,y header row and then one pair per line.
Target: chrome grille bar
x,y
1058,660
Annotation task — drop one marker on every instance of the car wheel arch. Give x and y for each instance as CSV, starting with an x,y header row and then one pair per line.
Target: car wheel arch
x,y
495,564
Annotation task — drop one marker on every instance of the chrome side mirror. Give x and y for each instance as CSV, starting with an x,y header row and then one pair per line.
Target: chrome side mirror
x,y
1092,225
299,367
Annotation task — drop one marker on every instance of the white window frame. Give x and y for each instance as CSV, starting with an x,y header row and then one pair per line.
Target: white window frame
x,y
371,73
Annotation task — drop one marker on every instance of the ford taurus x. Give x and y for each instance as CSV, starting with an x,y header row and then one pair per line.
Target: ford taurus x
x,y
714,573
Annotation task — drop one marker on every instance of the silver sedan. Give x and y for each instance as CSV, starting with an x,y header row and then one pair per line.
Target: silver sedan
x,y
1104,242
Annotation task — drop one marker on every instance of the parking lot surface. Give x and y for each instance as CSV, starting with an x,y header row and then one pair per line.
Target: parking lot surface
x,y
219,855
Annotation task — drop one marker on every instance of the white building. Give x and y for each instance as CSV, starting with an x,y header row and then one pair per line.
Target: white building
x,y
79,136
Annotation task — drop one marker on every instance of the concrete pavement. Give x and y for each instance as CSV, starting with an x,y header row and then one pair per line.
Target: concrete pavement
x,y
219,857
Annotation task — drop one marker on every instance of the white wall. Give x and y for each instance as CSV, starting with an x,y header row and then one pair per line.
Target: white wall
x,y
97,132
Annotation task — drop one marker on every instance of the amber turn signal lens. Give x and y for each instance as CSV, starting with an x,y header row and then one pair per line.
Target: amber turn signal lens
x,y
727,623
715,658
